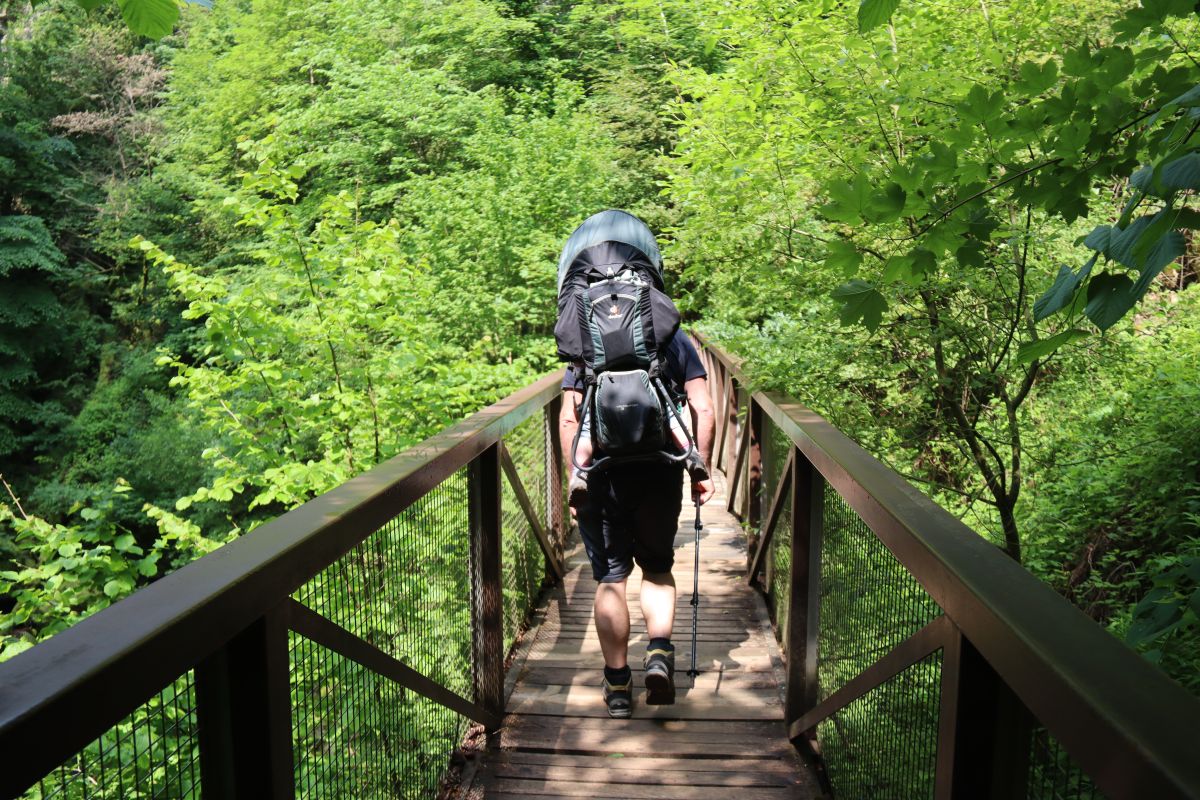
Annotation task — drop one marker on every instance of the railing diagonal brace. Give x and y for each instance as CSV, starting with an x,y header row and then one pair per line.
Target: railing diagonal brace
x,y
933,636
742,452
781,491
327,633
514,480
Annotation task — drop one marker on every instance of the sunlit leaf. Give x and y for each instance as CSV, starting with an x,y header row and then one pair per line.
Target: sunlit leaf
x,y
861,302
873,13
1109,297
153,19
1044,347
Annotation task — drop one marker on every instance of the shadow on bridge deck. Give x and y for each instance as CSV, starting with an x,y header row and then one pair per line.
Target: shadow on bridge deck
x,y
724,736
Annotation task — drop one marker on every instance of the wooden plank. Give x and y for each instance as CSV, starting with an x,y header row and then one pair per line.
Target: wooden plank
x,y
768,765
682,729
683,649
691,709
518,787
617,772
538,675
715,745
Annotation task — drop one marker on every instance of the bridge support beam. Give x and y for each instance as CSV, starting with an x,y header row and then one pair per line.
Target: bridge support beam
x,y
487,619
754,466
244,714
804,592
983,732
556,514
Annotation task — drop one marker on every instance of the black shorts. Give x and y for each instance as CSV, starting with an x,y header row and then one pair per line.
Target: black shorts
x,y
631,514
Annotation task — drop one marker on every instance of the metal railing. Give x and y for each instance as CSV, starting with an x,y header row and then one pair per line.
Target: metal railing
x,y
921,660
343,649
340,651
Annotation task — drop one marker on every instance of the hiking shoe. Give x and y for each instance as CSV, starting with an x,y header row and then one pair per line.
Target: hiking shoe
x,y
577,490
660,677
619,698
695,467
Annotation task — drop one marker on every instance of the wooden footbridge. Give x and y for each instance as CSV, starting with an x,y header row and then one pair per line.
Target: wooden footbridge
x,y
424,630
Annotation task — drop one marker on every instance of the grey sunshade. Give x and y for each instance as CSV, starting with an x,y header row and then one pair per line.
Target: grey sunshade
x,y
609,226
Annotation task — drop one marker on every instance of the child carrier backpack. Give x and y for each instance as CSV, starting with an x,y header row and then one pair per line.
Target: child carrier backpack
x,y
616,323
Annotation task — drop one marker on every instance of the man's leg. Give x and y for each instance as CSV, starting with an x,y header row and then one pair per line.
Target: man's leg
x,y
612,628
658,604
612,622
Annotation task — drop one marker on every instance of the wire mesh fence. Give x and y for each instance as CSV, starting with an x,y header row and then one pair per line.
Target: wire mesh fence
x,y
406,590
1053,775
523,561
869,601
153,754
883,746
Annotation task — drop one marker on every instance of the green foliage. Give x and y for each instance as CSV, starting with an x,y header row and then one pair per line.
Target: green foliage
x,y
1113,505
72,571
1041,140
33,334
320,352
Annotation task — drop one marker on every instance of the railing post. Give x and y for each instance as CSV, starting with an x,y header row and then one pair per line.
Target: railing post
x,y
984,731
555,514
804,595
244,714
753,491
487,625
732,431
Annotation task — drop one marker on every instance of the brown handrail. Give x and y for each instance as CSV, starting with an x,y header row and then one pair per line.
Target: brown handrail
x,y
62,694
1128,726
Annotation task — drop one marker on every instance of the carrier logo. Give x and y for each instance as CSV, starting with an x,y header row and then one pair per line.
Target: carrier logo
x,y
615,311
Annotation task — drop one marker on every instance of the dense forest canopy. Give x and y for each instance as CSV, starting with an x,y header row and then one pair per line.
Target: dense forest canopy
x,y
275,244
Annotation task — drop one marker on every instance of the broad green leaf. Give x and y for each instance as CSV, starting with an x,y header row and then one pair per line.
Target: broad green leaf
x,y
1044,347
842,256
860,302
887,205
849,202
1182,173
1121,243
1143,179
1037,78
970,254
1168,248
873,13
898,267
1156,614
153,19
1062,290
1189,98
924,262
1098,238
117,586
1109,297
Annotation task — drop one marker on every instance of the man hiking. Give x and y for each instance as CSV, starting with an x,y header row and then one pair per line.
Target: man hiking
x,y
622,426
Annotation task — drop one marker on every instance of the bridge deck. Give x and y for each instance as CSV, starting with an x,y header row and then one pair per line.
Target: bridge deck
x,y
726,727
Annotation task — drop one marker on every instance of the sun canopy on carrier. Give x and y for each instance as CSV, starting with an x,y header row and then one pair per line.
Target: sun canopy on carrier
x,y
611,238
612,262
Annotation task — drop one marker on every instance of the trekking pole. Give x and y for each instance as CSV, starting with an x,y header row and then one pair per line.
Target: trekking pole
x,y
693,672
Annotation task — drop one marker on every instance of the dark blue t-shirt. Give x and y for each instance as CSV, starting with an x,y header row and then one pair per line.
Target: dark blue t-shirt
x,y
681,365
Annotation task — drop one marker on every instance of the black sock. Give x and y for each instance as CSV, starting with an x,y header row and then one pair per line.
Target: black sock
x,y
661,643
618,677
